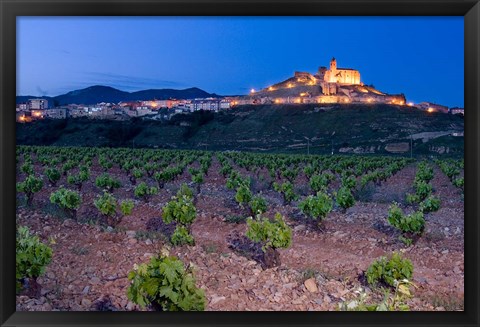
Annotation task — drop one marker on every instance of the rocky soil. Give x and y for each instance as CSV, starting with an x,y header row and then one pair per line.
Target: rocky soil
x,y
321,269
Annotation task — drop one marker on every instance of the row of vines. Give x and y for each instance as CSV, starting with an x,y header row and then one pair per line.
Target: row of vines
x,y
124,178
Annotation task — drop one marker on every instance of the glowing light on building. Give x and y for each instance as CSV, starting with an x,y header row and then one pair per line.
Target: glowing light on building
x,y
277,101
369,100
270,88
410,104
289,85
431,109
303,94
401,103
252,91
22,118
347,100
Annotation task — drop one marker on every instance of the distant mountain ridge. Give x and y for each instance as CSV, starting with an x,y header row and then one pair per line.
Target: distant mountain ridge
x,y
99,93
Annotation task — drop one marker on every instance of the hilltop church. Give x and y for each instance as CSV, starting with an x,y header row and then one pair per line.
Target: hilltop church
x,y
346,76
332,78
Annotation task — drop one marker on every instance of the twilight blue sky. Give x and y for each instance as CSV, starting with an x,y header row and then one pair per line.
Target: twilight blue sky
x,y
421,57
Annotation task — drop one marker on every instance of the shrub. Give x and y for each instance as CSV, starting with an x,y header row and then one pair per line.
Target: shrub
x,y
197,179
150,168
450,171
271,235
226,170
137,173
412,223
53,175
126,207
32,256
143,191
345,198
424,172
181,236
317,207
422,189
104,163
235,180
290,174
412,198
106,204
70,164
30,186
274,234
106,182
320,182
66,199
166,285
286,189
27,168
185,191
349,182
243,195
389,270
162,177
181,211
258,205
193,171
459,182
430,204
308,170
82,176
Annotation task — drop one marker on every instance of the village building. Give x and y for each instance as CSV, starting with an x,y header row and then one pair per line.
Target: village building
x,y
210,104
432,107
457,111
38,104
56,113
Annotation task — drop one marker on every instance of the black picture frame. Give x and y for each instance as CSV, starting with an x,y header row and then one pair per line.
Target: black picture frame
x,y
10,9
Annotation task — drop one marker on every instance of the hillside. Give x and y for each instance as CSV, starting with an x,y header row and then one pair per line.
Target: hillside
x,y
99,93
379,129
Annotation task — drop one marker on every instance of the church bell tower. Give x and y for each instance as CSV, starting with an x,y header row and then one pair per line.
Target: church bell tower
x,y
333,64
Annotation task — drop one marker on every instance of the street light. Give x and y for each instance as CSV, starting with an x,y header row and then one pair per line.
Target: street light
x,y
308,145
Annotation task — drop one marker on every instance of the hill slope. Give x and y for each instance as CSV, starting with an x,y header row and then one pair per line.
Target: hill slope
x,y
379,129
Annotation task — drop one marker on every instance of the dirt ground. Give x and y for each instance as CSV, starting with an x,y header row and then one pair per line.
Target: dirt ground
x,y
90,262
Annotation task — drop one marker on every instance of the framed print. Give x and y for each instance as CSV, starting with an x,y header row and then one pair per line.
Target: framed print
x,y
267,163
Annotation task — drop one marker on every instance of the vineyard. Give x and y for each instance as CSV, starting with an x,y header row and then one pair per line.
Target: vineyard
x,y
107,229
